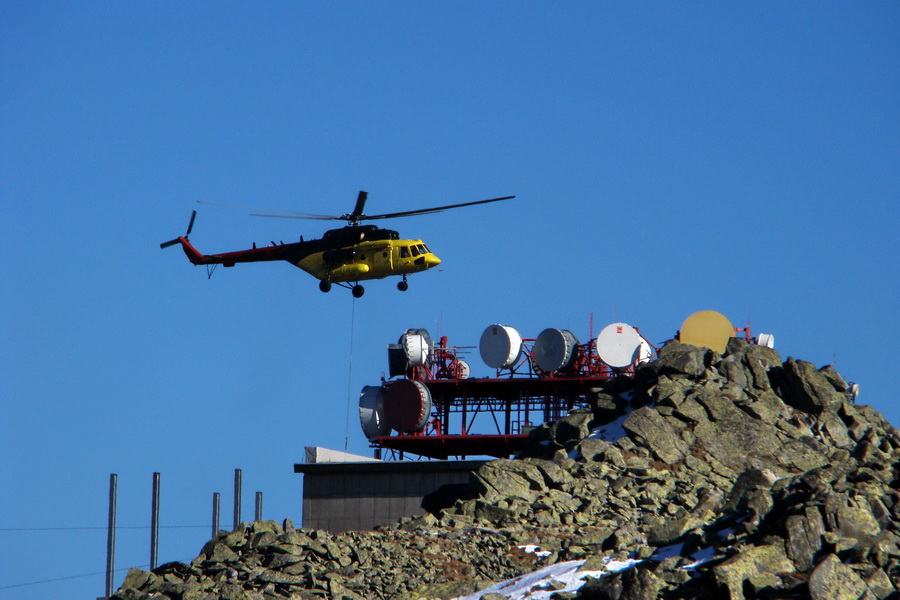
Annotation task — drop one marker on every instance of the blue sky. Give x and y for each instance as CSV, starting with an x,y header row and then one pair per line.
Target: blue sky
x,y
665,159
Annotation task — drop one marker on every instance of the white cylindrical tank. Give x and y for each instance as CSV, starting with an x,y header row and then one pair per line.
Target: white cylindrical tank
x,y
500,346
554,350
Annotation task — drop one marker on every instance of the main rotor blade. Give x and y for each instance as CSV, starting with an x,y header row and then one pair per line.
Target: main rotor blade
x,y
360,205
276,213
357,214
423,211
300,216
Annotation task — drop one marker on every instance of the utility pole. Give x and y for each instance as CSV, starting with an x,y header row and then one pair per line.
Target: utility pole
x,y
215,516
154,523
237,498
111,534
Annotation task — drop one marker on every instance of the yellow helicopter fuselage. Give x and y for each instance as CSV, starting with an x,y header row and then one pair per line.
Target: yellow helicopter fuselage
x,y
369,260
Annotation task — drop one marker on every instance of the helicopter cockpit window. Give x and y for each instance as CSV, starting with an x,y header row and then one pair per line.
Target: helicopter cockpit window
x,y
422,249
414,250
404,252
427,250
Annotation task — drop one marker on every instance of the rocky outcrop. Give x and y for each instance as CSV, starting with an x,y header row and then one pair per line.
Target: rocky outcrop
x,y
732,476
266,559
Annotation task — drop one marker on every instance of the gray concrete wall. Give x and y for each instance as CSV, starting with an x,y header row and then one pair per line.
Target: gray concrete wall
x,y
359,496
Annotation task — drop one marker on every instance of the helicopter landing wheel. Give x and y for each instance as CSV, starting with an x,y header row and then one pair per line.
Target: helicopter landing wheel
x,y
402,285
325,286
358,291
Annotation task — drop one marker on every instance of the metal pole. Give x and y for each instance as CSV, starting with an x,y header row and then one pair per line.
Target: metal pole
x,y
237,498
154,523
215,520
258,516
111,534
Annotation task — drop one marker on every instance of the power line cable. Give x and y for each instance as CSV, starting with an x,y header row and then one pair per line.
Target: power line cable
x,y
18,585
2,529
57,579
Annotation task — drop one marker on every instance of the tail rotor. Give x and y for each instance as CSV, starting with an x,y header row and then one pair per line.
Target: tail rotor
x,y
190,227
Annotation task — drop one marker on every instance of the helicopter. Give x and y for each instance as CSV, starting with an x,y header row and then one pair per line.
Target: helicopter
x,y
344,256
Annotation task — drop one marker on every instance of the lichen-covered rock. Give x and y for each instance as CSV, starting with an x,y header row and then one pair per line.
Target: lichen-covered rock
x,y
606,405
764,563
657,434
760,363
809,389
505,478
833,580
675,357
765,469
805,533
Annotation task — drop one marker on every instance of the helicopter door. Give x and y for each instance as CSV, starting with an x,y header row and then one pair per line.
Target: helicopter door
x,y
383,259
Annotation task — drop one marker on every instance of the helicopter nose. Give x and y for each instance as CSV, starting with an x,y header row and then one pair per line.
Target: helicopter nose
x,y
431,260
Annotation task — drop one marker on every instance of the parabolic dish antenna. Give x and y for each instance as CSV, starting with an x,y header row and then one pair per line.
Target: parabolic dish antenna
x,y
407,406
460,369
619,345
371,412
500,346
707,328
554,349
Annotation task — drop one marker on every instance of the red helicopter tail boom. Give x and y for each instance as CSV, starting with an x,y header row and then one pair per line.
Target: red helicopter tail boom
x,y
229,259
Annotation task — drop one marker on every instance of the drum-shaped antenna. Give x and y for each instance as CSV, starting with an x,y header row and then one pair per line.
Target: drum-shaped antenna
x,y
371,412
766,339
407,406
500,346
707,328
417,346
554,350
619,345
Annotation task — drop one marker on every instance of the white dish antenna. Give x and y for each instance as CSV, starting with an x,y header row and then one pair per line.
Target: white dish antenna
x,y
619,345
554,349
500,346
766,339
461,369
